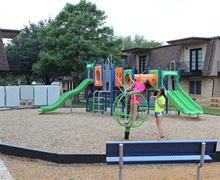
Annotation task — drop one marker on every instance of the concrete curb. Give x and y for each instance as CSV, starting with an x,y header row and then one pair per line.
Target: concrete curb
x,y
4,173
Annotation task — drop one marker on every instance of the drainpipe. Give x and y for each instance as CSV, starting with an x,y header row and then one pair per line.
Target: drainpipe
x,y
210,58
213,85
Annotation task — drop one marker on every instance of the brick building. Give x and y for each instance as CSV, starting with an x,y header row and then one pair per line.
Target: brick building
x,y
197,57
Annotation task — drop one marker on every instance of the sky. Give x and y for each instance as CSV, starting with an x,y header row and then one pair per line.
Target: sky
x,y
158,20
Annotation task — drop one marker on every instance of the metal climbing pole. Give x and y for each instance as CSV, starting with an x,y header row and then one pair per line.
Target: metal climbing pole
x,y
100,97
174,65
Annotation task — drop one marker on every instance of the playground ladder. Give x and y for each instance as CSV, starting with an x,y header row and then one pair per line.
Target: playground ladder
x,y
99,101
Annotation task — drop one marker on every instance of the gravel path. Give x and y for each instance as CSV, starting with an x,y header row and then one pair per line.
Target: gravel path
x,y
26,169
81,132
84,132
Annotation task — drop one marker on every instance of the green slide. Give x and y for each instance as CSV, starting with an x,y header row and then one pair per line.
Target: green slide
x,y
179,98
183,102
66,96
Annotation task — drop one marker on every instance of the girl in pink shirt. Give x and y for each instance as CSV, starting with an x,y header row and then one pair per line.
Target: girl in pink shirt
x,y
137,87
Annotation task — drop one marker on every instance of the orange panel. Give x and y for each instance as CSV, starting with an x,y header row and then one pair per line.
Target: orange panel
x,y
151,77
137,77
127,80
98,76
118,76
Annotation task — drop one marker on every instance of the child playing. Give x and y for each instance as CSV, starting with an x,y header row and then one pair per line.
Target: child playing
x,y
137,87
160,101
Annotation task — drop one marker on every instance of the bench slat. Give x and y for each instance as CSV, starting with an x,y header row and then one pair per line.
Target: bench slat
x,y
157,159
160,152
160,148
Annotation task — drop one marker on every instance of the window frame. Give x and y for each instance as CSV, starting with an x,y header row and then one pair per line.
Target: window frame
x,y
198,59
143,63
195,87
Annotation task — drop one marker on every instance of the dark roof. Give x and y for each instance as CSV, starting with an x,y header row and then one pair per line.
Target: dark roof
x,y
9,33
143,49
136,49
161,57
188,40
3,60
5,33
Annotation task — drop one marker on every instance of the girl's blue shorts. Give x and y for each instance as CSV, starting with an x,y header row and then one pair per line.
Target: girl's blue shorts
x,y
159,114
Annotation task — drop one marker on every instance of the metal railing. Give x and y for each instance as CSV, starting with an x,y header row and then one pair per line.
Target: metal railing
x,y
184,66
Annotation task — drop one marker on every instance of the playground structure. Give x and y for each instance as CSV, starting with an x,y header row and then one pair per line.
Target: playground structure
x,y
108,83
111,80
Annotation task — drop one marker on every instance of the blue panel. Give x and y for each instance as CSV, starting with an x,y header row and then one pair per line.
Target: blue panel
x,y
160,148
2,96
158,159
12,96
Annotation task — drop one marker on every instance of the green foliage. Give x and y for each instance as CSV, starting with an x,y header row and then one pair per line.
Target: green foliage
x,y
75,36
26,47
137,41
10,78
60,47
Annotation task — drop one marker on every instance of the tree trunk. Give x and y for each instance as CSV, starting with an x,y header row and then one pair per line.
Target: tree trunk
x,y
27,78
47,80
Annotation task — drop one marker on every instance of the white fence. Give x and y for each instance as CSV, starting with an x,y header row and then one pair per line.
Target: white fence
x,y
40,95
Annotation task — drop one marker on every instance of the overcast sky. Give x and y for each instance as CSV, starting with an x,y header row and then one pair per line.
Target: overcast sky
x,y
159,20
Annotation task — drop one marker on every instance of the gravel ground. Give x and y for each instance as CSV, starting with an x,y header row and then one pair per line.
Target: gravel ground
x,y
26,169
84,132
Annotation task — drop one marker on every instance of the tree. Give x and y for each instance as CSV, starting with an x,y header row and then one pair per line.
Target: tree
x,y
26,47
137,41
75,36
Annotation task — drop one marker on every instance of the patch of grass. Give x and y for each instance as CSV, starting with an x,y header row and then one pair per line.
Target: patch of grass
x,y
79,105
211,111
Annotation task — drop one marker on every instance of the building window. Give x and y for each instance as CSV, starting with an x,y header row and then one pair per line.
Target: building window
x,y
143,63
195,87
196,59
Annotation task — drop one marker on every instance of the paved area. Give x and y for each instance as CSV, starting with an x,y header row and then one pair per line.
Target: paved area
x,y
4,173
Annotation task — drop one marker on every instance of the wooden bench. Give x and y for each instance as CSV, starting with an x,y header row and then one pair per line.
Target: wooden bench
x,y
158,152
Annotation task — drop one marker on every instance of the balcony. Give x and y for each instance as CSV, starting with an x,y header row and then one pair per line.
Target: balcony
x,y
185,69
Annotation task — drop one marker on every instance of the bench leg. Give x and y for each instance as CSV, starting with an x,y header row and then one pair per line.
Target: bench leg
x,y
120,160
120,174
198,173
201,160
